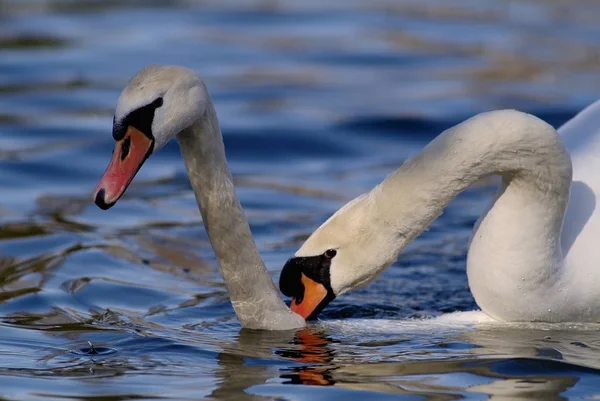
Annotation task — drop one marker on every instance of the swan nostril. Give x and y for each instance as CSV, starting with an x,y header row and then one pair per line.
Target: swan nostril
x,y
100,201
125,148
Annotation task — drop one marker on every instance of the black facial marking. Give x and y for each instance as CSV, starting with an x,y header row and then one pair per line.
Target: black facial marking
x,y
125,148
290,279
140,119
317,268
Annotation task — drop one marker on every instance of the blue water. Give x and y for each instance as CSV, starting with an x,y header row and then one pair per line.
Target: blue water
x,y
318,101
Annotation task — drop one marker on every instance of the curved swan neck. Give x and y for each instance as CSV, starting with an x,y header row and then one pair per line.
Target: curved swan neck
x,y
253,294
525,151
518,238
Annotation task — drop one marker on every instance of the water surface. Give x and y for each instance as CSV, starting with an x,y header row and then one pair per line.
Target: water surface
x,y
318,101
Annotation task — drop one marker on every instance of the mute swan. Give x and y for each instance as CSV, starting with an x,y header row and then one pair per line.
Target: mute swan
x,y
522,263
162,102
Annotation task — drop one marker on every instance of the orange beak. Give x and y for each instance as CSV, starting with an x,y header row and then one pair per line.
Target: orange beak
x,y
129,155
314,293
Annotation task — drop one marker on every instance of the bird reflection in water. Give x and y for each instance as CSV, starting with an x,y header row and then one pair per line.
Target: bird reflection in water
x,y
312,348
248,362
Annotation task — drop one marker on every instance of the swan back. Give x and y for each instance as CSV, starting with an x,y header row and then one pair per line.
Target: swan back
x,y
581,232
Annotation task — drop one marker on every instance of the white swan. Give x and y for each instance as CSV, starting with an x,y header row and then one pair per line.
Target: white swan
x,y
162,102
522,264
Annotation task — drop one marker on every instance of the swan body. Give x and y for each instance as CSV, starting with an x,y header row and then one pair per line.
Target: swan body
x,y
523,263
163,102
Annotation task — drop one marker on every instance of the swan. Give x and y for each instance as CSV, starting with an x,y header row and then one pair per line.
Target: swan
x,y
523,263
162,102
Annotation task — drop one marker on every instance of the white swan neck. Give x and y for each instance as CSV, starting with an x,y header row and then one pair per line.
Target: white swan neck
x,y
253,294
515,246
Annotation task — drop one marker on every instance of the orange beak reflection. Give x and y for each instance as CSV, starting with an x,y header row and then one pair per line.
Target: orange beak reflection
x,y
314,294
129,155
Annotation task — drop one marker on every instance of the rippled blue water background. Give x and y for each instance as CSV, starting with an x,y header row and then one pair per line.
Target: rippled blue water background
x,y
318,101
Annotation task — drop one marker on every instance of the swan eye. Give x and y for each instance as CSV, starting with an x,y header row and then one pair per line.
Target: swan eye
x,y
158,102
330,253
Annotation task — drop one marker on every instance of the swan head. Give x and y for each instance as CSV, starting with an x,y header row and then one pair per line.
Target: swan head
x,y
158,103
347,251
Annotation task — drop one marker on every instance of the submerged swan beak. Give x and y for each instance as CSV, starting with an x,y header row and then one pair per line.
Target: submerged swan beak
x,y
308,303
131,151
